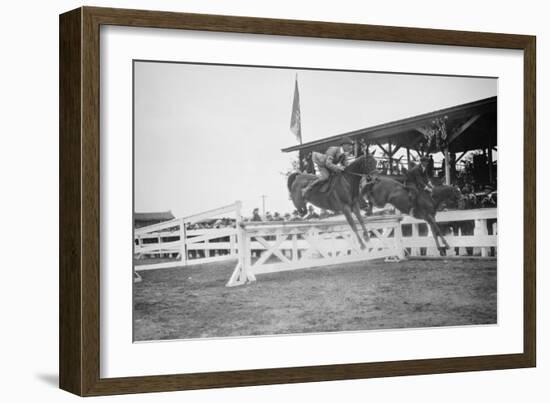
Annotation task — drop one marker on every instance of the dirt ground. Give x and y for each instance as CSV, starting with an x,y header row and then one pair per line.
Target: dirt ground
x,y
193,302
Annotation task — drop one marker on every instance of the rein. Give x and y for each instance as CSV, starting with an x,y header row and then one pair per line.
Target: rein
x,y
356,174
362,175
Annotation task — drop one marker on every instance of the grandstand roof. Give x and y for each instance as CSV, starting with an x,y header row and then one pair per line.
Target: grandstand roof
x,y
471,126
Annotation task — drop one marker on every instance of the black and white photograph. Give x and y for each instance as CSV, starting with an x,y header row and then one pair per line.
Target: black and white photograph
x,y
274,201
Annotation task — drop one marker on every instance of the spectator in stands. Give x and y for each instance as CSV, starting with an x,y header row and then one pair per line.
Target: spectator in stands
x,y
268,216
287,217
430,167
256,215
277,216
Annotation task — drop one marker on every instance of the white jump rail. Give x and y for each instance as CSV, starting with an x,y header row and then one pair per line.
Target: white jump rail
x,y
189,246
479,239
284,246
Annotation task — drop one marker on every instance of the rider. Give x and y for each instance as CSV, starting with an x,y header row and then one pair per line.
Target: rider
x,y
332,160
417,180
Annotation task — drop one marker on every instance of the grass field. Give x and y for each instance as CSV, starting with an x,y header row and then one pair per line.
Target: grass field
x,y
193,302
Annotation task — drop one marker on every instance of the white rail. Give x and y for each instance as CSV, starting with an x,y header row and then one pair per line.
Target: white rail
x,y
283,246
473,229
173,240
301,244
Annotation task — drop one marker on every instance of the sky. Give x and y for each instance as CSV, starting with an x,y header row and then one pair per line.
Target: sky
x,y
206,136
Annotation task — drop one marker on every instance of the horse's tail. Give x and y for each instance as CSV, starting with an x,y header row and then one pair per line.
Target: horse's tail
x,y
291,179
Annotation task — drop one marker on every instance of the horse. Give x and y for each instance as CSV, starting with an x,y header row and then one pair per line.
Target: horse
x,y
446,193
343,194
384,191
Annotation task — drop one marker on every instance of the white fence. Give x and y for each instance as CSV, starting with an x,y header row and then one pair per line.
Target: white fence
x,y
267,247
180,246
472,229
277,245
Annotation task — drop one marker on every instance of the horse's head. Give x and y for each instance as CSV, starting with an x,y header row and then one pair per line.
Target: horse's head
x,y
456,197
459,198
362,165
451,196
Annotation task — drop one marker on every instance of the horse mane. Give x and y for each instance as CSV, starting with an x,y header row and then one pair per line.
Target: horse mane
x,y
354,164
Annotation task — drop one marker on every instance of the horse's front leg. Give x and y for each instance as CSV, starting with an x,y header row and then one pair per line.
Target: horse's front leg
x,y
436,232
370,201
349,218
357,212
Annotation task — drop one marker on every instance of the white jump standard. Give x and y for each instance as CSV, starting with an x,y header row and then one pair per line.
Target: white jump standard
x,y
284,246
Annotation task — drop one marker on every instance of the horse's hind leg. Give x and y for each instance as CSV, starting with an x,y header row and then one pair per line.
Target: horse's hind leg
x,y
440,234
357,212
349,218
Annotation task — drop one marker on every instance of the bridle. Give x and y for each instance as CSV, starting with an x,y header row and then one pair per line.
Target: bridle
x,y
362,175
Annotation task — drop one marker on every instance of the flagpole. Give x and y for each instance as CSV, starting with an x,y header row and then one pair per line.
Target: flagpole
x,y
296,78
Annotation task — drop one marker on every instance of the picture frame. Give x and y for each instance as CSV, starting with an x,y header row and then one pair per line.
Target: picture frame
x,y
80,153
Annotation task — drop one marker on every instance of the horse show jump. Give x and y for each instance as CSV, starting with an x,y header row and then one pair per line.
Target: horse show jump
x,y
275,246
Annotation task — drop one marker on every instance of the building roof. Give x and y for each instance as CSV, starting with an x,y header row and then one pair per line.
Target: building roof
x,y
475,124
154,216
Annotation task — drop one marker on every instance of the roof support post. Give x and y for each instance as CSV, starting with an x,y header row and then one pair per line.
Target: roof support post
x,y
460,156
490,162
390,159
447,166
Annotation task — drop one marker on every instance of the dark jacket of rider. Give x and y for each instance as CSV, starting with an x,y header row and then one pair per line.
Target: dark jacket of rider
x,y
330,159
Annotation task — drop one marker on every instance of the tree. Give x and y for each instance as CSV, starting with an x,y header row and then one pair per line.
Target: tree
x,y
435,135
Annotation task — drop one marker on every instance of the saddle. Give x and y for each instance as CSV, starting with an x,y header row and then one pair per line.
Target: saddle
x,y
326,186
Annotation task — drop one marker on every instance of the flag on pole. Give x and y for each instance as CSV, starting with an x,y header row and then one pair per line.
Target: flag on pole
x,y
295,119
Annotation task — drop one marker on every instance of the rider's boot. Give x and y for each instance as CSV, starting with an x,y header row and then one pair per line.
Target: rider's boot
x,y
307,189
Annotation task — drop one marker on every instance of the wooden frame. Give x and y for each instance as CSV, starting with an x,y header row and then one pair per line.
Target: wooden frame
x,y
79,201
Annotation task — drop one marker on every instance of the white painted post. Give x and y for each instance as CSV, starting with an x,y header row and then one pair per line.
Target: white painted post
x,y
461,250
450,237
238,228
159,242
206,248
480,229
398,240
242,274
183,242
431,250
415,234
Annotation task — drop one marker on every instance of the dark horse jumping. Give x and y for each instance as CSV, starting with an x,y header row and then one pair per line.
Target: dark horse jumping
x,y
384,191
343,193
